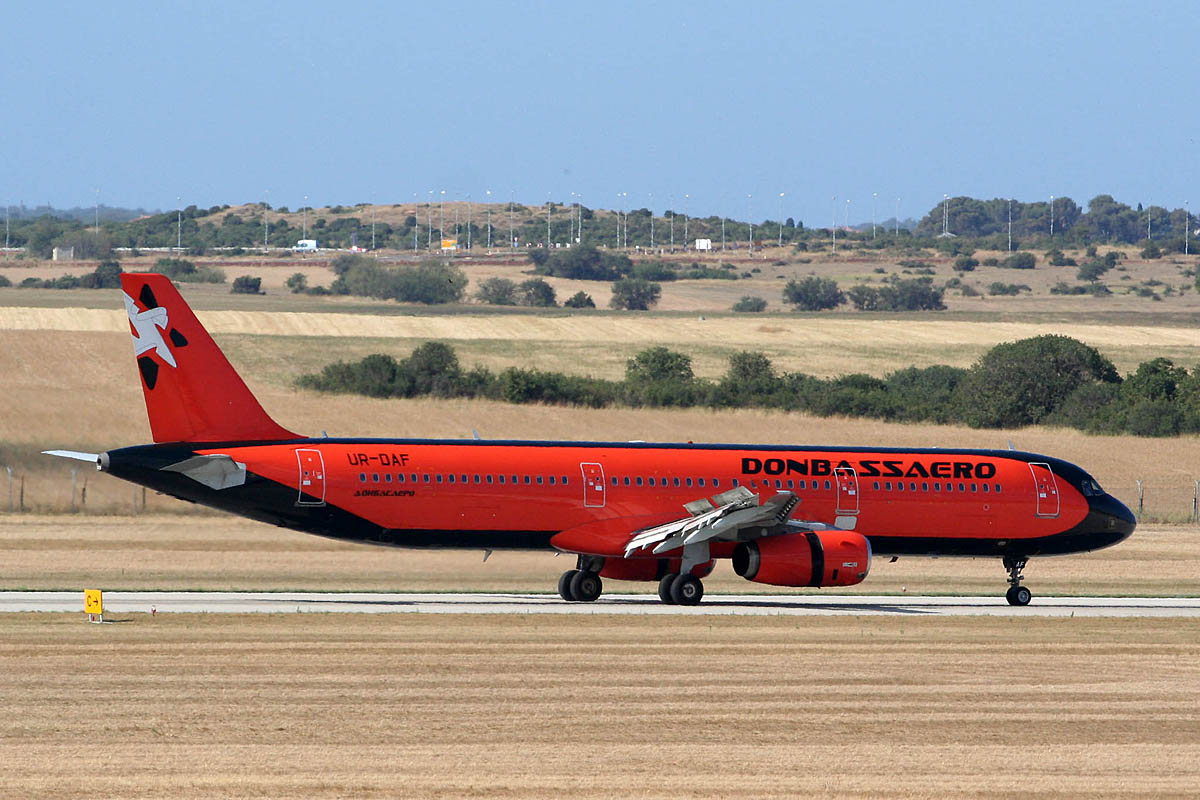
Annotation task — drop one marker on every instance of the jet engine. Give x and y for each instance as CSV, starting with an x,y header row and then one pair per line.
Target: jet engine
x,y
822,558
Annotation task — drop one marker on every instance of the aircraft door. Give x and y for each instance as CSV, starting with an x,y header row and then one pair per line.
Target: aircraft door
x,y
312,478
593,485
1045,490
847,491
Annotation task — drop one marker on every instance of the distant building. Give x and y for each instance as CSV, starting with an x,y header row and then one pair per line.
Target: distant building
x,y
63,253
704,244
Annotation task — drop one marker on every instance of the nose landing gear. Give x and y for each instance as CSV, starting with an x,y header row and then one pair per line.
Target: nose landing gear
x,y
1017,594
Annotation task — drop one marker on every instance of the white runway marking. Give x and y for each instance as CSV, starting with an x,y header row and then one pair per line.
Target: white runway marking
x,y
761,605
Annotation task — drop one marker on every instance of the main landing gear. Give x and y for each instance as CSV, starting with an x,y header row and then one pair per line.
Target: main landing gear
x,y
1017,594
680,590
582,584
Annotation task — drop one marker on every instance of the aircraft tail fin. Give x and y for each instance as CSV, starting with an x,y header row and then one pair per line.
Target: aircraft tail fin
x,y
193,393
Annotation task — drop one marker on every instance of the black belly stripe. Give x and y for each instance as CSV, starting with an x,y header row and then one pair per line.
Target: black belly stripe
x,y
818,559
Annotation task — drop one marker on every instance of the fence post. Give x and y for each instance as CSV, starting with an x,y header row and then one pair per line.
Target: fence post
x,y
1141,500
74,483
11,498
1196,502
22,492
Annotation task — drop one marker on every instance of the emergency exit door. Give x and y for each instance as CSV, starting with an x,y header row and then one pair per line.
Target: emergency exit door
x,y
312,478
847,491
593,485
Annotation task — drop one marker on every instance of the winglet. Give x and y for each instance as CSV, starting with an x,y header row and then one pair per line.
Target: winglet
x,y
193,393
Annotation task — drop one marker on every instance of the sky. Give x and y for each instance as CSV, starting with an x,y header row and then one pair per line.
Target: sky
x,y
702,108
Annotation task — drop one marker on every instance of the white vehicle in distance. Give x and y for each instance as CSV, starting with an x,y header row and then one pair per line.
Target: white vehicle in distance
x,y
306,246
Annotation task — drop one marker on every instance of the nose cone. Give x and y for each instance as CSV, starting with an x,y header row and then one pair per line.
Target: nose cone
x,y
1109,521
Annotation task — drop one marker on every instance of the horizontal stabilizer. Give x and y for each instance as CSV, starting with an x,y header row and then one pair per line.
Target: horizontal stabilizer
x,y
75,454
215,471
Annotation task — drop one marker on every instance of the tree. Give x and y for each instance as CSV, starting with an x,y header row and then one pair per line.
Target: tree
x,y
635,294
497,292
658,364
298,283
537,293
813,294
1020,261
579,300
965,264
1021,383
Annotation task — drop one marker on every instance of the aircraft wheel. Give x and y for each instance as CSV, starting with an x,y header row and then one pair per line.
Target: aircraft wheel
x,y
564,585
586,586
686,590
664,588
1018,596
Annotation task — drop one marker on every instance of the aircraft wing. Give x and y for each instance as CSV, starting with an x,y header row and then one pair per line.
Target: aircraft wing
x,y
739,515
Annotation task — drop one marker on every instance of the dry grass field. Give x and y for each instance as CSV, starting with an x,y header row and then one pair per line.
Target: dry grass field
x,y
219,552
434,706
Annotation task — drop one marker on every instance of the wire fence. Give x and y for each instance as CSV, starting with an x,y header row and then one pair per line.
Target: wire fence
x,y
83,490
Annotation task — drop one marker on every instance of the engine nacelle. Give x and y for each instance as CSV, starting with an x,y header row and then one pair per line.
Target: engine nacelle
x,y
822,558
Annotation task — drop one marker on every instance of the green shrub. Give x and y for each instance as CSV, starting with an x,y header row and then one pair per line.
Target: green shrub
x,y
580,300
497,292
245,284
634,294
750,304
298,283
1020,261
813,294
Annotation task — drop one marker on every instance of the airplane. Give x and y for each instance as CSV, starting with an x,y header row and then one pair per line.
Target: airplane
x,y
785,515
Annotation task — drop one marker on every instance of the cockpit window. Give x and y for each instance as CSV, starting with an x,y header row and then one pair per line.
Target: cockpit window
x,y
1090,488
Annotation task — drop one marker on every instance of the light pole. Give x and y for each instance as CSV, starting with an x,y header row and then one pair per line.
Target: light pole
x,y
685,219
97,211
874,199
489,218
671,202
651,220
511,242
442,219
897,231
833,225
549,211
945,214
304,214
847,213
750,219
579,211
372,226
416,221
1187,223
429,219
266,205
179,222
6,207
1051,216
1010,225
781,219
468,222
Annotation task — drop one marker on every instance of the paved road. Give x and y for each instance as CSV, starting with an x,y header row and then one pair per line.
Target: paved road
x,y
116,603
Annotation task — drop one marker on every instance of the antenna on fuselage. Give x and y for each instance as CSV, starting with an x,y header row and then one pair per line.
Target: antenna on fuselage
x,y
475,434
1010,445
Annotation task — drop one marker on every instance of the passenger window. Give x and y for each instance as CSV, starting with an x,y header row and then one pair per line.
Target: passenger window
x,y
716,482
962,487
700,481
651,481
463,478
639,480
876,485
515,481
439,477
826,484
500,478
526,480
400,477
997,488
688,481
539,480
614,480
427,477
477,479
625,480
937,486
564,480
899,486
974,487
489,478
735,482
414,478
778,483
450,477
375,477
912,486
551,480
387,477
675,481
790,486
986,488
362,477
887,485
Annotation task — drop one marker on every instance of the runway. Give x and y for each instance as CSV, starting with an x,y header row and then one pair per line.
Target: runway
x,y
116,603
